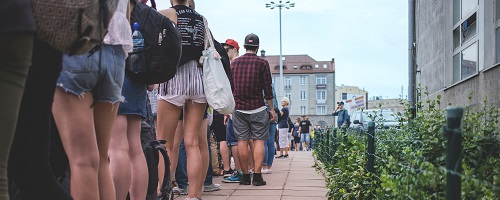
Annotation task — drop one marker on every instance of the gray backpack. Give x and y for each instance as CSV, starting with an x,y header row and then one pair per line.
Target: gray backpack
x,y
72,26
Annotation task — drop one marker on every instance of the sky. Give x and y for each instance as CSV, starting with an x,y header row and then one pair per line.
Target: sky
x,y
367,38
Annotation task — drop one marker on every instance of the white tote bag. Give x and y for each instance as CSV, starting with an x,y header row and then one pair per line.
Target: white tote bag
x,y
215,82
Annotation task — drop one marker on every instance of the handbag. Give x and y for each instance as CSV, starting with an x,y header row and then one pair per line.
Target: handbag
x,y
72,26
215,83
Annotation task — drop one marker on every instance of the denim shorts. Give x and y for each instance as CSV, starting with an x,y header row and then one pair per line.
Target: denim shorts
x,y
305,137
230,139
82,73
135,98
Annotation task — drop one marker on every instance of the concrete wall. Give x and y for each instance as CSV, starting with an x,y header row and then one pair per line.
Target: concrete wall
x,y
434,38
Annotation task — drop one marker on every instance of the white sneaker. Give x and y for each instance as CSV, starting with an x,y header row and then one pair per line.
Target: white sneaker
x,y
266,171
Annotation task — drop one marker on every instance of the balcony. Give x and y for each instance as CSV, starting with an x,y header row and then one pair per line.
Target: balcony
x,y
320,86
288,87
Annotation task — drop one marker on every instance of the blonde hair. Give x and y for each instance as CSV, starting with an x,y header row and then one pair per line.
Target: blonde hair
x,y
285,99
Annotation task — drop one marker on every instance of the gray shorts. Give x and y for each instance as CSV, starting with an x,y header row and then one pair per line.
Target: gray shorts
x,y
251,126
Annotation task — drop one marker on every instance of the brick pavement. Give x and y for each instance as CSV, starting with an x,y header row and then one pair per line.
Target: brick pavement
x,y
292,178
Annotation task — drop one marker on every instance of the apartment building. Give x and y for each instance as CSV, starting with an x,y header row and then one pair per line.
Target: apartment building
x,y
308,83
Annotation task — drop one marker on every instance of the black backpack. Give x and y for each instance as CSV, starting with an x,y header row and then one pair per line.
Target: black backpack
x,y
152,150
162,47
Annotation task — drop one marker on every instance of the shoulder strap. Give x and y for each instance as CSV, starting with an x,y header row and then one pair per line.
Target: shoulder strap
x,y
208,35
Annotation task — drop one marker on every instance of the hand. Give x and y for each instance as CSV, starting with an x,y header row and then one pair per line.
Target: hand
x,y
226,118
273,116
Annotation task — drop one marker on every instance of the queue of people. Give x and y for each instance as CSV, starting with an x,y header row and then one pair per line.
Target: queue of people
x,y
97,111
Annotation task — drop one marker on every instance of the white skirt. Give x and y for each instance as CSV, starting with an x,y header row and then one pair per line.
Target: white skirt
x,y
283,138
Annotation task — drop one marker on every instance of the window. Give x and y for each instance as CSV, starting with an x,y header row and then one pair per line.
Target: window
x,y
303,80
288,83
302,95
316,66
289,96
320,110
465,39
325,66
320,80
344,96
303,110
274,80
295,66
321,95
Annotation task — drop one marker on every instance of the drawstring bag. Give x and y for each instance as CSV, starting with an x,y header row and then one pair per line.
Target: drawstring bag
x,y
215,82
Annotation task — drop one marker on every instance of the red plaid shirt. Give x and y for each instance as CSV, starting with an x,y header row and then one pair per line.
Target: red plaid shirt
x,y
251,75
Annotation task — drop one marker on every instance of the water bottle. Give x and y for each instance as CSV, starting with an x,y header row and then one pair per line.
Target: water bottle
x,y
137,38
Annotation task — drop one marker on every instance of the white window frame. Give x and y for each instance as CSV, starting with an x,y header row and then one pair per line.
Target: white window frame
x,y
321,79
289,96
320,110
303,80
463,45
303,110
288,82
303,95
321,95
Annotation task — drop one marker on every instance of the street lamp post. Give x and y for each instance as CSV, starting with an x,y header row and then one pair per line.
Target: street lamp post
x,y
280,5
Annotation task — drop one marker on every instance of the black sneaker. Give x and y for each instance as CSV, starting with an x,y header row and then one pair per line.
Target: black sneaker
x,y
286,156
228,173
258,180
245,179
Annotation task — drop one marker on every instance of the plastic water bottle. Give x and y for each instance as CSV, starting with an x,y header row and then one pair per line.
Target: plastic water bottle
x,y
137,38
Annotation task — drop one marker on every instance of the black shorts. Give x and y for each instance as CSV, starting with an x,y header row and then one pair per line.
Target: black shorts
x,y
218,127
296,140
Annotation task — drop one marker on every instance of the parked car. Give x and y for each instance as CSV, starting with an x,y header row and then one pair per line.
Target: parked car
x,y
383,118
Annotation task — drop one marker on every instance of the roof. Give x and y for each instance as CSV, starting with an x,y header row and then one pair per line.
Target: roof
x,y
300,64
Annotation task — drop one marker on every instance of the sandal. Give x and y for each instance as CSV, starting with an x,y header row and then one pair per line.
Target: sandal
x,y
281,156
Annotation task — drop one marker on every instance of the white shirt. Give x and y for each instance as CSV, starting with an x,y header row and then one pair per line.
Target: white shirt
x,y
119,30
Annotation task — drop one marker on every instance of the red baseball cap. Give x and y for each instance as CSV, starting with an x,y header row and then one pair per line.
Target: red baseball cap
x,y
232,43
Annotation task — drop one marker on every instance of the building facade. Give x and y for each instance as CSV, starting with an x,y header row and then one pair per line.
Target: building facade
x,y
458,50
309,84
392,104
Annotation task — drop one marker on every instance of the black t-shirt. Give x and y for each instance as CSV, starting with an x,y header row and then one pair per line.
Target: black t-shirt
x,y
192,30
304,126
283,123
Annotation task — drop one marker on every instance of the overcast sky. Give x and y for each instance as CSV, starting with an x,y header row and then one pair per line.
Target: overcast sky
x,y
367,38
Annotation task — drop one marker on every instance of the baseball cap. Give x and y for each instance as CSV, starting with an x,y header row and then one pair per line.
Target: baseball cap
x,y
340,103
252,40
231,42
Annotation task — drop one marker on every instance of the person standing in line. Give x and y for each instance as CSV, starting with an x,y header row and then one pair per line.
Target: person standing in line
x,y
296,134
175,94
231,176
343,115
251,119
283,128
305,128
290,131
269,148
16,38
86,102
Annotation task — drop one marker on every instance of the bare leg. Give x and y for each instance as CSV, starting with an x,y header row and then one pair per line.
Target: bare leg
x,y
205,157
139,168
236,157
250,156
79,141
173,156
193,113
224,152
119,158
104,115
168,118
258,155
243,155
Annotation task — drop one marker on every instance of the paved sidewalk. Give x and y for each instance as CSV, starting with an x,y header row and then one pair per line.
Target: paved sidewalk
x,y
292,178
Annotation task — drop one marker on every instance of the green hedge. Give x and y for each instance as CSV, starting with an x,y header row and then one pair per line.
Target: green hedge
x,y
410,163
